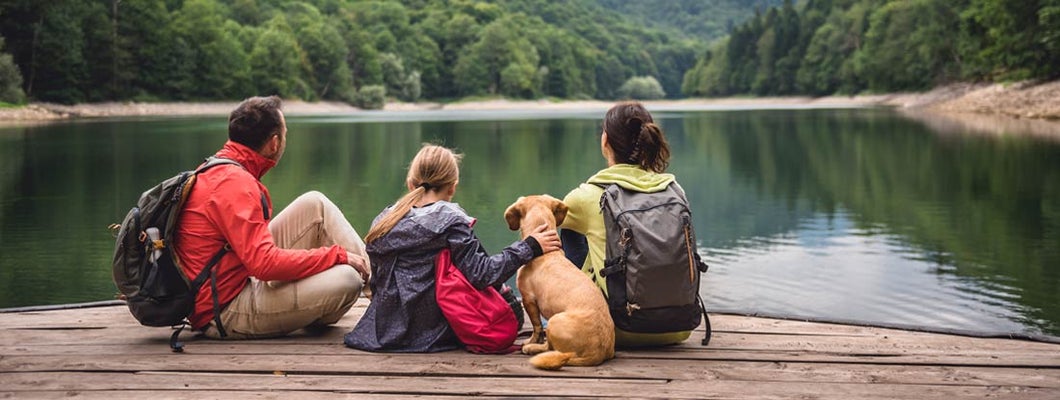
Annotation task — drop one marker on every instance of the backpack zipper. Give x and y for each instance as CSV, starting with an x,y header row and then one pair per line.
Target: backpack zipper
x,y
691,262
624,212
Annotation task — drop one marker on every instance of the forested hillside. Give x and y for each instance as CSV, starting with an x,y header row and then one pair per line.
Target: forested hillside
x,y
73,51
822,47
357,51
698,19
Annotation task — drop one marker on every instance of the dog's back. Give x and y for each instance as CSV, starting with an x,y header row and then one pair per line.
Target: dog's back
x,y
557,285
580,330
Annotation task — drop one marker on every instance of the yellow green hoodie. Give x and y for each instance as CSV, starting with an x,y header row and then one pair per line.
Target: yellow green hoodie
x,y
584,217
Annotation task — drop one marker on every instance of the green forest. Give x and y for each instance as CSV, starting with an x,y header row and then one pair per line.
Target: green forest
x,y
363,52
72,51
821,47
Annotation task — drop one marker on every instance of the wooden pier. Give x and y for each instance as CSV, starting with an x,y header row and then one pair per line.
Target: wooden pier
x,y
102,353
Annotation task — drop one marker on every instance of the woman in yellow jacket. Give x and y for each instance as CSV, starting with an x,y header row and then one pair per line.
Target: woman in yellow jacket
x,y
637,157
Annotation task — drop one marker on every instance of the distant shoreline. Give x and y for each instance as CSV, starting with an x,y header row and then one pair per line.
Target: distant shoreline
x,y
1024,103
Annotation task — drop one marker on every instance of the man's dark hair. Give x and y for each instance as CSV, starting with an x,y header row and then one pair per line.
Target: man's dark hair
x,y
254,121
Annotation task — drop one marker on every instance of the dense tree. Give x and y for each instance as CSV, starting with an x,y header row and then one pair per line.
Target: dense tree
x,y
702,19
1020,38
10,78
218,61
278,62
422,58
93,50
909,46
403,84
827,66
327,52
567,63
641,88
706,77
370,97
47,43
502,61
847,46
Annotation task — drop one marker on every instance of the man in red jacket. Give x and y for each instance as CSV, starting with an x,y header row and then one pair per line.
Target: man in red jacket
x,y
305,266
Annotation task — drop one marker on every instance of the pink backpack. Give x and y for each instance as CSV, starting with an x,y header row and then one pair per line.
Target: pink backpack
x,y
482,319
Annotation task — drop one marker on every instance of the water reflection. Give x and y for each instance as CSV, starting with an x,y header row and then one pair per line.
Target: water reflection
x,y
848,214
875,217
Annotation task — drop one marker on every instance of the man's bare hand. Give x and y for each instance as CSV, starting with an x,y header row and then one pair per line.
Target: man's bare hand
x,y
358,263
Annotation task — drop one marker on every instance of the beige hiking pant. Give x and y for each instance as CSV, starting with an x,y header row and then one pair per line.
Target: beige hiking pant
x,y
271,309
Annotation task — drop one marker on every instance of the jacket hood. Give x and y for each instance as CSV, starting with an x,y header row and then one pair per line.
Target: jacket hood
x,y
632,177
254,162
419,227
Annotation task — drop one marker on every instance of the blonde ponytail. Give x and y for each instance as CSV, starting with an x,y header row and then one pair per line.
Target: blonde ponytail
x,y
402,207
434,168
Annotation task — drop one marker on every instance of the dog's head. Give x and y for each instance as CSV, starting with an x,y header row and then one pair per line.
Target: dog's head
x,y
535,210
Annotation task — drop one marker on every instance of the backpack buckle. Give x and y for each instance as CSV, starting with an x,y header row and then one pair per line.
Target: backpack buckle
x,y
627,236
630,308
613,266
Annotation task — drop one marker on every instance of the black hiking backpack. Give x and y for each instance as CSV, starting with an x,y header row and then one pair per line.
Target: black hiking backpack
x,y
652,267
146,270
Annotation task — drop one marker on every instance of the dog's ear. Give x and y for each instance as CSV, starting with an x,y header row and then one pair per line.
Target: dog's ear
x,y
513,215
559,210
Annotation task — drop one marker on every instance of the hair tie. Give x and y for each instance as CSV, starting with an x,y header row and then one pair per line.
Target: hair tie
x,y
425,186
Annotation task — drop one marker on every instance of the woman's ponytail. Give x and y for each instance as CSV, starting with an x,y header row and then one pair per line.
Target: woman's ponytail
x,y
635,138
652,149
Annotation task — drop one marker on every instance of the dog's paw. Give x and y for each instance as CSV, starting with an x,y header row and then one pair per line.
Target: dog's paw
x,y
534,348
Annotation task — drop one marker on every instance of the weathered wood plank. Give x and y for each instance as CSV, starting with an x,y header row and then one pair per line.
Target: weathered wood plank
x,y
97,352
757,330
232,384
108,341
160,349
455,364
206,394
886,344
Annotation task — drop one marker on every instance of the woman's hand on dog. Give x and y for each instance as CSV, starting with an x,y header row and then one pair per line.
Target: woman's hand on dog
x,y
547,238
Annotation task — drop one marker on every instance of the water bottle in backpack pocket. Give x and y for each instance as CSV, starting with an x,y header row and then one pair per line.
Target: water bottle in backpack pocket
x,y
145,270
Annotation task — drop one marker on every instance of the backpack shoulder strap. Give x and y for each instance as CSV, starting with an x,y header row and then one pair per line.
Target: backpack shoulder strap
x,y
208,271
212,161
679,190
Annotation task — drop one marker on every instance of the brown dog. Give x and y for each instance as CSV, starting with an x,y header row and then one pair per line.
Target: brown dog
x,y
580,330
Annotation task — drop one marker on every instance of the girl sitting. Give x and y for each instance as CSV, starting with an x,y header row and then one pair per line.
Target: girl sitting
x,y
404,242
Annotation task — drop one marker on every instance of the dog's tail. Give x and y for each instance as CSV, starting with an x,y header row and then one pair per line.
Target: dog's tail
x,y
551,360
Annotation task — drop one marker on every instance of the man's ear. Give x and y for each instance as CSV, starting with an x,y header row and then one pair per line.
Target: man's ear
x,y
513,215
559,209
271,146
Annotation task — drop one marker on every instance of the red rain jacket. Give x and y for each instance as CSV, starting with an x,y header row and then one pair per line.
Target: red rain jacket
x,y
225,206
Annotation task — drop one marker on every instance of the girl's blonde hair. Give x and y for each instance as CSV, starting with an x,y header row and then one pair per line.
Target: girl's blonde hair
x,y
434,168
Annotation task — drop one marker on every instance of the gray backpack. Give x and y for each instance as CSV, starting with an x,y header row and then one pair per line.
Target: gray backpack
x,y
652,267
145,268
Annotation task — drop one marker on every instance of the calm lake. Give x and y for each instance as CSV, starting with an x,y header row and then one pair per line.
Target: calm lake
x,y
841,214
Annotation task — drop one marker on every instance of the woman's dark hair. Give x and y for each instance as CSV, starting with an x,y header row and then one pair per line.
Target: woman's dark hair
x,y
254,121
635,139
